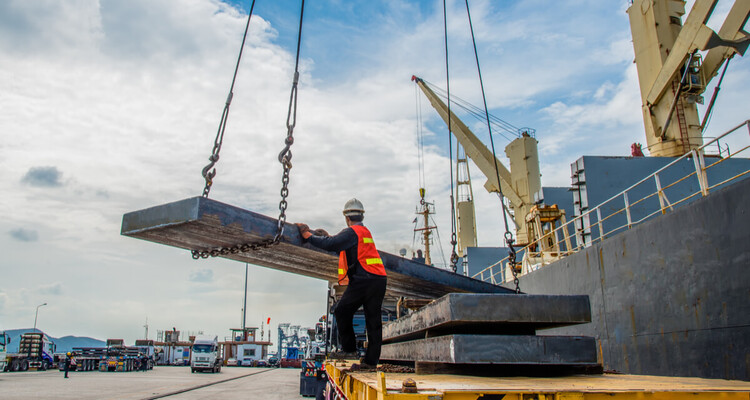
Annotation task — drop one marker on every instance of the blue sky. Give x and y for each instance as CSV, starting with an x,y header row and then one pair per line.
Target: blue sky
x,y
112,106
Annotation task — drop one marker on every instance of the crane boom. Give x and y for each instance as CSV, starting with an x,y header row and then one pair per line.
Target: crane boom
x,y
520,185
731,28
671,72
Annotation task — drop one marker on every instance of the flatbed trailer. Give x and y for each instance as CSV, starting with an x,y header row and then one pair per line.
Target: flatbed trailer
x,y
384,385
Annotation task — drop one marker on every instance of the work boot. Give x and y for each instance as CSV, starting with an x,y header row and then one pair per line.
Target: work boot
x,y
343,355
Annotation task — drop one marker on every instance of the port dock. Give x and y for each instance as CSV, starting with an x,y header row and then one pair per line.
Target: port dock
x,y
159,383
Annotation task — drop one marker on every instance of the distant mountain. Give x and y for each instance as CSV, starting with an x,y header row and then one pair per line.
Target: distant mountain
x,y
64,344
67,343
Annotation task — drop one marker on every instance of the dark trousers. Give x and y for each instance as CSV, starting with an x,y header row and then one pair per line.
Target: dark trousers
x,y
366,293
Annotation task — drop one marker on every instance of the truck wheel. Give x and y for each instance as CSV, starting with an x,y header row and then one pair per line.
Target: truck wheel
x,y
192,370
24,365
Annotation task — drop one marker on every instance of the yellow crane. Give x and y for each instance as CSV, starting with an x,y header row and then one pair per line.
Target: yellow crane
x,y
521,184
671,71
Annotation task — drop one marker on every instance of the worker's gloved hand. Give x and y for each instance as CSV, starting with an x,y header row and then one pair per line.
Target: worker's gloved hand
x,y
304,231
321,232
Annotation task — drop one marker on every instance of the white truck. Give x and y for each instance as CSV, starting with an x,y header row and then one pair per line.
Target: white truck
x,y
205,354
4,340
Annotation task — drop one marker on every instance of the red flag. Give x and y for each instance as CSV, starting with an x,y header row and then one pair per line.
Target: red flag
x,y
269,321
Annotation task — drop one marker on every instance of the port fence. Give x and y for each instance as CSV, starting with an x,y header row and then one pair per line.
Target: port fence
x,y
687,178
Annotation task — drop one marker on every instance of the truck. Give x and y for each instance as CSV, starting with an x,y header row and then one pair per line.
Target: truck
x,y
35,351
82,359
120,358
4,340
205,354
312,376
148,350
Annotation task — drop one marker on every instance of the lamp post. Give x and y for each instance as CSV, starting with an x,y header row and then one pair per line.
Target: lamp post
x,y
244,309
37,314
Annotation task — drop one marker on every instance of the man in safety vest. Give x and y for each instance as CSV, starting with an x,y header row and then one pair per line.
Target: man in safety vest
x,y
361,268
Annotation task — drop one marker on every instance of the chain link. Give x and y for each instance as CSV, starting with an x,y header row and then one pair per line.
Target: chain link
x,y
285,158
209,172
454,255
512,259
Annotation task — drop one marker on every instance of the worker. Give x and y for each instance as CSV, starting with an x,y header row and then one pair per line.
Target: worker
x,y
68,357
362,270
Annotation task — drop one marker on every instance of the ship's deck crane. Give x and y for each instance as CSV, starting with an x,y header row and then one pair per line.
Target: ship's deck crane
x,y
522,186
671,72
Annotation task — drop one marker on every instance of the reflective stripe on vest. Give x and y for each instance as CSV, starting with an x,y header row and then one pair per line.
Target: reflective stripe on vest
x,y
367,255
343,269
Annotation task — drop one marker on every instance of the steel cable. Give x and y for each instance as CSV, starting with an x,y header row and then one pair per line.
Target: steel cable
x,y
508,235
454,241
207,172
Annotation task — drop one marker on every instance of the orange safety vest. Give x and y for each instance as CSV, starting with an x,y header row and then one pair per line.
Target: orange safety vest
x,y
367,255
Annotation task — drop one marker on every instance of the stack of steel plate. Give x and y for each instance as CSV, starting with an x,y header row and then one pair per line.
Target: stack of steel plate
x,y
462,331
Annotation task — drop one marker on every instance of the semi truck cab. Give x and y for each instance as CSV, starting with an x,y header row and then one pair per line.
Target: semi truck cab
x,y
4,340
205,354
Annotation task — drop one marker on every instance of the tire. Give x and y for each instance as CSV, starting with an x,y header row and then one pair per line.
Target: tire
x,y
192,370
24,365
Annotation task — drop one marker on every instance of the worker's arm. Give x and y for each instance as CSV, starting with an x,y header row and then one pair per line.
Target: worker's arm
x,y
341,241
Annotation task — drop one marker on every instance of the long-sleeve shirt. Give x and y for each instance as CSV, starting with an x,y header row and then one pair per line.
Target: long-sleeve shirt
x,y
346,241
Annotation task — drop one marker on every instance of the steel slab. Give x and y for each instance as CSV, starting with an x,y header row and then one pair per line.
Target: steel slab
x,y
496,349
199,223
490,314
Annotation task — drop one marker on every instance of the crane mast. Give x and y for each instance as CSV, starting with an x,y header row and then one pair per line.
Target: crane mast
x,y
425,209
465,214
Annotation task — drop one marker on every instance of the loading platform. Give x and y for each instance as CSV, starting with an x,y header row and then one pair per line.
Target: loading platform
x,y
203,224
381,386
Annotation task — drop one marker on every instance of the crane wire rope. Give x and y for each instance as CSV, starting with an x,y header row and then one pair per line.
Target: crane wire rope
x,y
440,243
420,138
508,235
285,158
478,113
209,173
454,241
710,108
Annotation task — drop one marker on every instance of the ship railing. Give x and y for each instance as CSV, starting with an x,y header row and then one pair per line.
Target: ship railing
x,y
556,244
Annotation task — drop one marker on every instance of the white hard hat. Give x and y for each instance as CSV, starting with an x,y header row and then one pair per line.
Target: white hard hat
x,y
353,207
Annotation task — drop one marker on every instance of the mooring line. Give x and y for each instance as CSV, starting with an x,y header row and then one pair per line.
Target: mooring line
x,y
204,385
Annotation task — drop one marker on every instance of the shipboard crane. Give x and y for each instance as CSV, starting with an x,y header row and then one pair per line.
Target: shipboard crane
x,y
522,186
671,72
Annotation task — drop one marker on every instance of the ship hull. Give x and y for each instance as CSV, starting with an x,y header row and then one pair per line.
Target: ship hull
x,y
669,297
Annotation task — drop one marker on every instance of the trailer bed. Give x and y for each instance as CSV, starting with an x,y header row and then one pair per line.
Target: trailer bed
x,y
379,385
